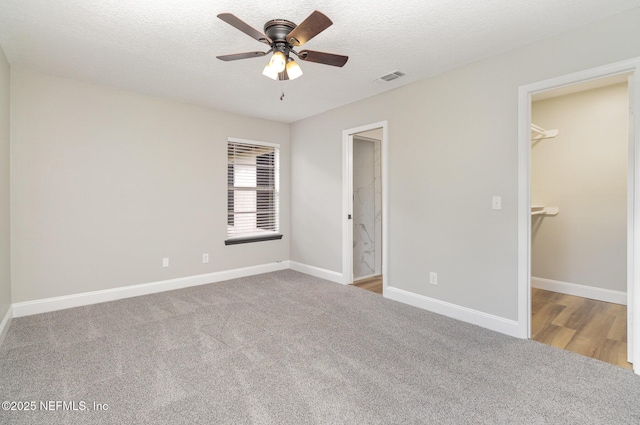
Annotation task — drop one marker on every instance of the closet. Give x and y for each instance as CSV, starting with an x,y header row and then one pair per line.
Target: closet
x,y
579,147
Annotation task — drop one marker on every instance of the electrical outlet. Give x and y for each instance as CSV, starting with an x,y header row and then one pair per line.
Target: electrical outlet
x,y
165,262
433,278
205,258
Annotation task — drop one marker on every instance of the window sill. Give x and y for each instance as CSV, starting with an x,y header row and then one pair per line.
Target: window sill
x,y
252,239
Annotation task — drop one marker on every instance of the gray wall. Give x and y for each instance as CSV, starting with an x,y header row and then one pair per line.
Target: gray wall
x,y
583,171
5,255
452,146
105,183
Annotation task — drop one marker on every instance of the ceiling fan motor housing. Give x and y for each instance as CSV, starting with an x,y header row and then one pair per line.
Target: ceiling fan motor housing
x,y
278,29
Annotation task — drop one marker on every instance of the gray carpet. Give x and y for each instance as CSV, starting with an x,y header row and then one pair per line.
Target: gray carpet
x,y
287,348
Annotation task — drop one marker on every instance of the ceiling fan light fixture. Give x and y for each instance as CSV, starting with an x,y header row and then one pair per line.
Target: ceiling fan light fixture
x,y
293,69
278,61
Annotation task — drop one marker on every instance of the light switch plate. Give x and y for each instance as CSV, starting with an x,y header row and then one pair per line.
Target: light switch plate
x,y
497,202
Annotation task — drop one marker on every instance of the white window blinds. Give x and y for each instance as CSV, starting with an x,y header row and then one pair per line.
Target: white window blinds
x,y
253,191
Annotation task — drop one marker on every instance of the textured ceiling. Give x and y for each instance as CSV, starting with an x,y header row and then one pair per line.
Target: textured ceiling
x,y
169,48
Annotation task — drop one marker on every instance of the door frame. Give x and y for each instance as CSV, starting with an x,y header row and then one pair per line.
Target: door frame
x,y
631,66
347,200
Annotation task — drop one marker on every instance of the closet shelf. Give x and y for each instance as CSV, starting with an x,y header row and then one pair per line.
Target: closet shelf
x,y
541,133
544,211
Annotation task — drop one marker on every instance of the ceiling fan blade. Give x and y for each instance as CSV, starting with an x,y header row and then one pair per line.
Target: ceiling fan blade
x,y
309,28
322,57
236,56
236,22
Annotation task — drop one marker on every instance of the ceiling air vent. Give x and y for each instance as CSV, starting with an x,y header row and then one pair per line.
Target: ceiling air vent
x,y
391,76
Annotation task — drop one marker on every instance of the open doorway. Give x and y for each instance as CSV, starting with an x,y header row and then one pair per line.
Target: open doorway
x,y
367,210
528,208
364,241
579,197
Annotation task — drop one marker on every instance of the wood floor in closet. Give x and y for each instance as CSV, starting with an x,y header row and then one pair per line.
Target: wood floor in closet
x,y
592,328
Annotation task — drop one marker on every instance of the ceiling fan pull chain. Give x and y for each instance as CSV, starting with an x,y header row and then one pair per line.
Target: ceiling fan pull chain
x,y
282,91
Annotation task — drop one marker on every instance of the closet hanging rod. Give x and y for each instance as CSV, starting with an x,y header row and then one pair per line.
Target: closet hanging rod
x,y
537,128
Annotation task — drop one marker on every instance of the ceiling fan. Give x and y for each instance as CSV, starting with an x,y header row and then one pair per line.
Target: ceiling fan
x,y
282,36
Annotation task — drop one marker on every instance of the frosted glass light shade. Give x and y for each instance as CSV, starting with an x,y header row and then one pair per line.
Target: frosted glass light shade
x,y
278,61
270,72
293,70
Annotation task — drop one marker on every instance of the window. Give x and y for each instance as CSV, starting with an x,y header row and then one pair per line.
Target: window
x,y
252,191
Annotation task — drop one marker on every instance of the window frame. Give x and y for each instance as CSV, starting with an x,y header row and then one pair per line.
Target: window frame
x,y
268,235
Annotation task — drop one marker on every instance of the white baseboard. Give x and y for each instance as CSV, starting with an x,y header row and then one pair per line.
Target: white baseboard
x,y
475,317
357,278
317,272
6,322
607,295
76,300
